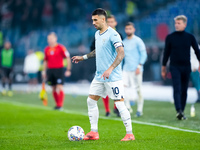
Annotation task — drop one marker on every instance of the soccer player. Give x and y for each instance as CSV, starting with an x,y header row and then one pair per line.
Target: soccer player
x,y
177,48
111,21
7,63
54,68
109,53
135,57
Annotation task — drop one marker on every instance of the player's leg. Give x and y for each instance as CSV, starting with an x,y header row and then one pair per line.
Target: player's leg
x,y
93,113
59,81
51,80
184,86
116,92
35,82
10,78
97,90
61,95
140,100
3,80
127,90
55,96
106,105
176,82
126,118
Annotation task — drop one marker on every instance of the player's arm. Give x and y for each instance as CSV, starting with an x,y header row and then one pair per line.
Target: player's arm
x,y
119,57
44,69
166,54
68,71
117,61
76,59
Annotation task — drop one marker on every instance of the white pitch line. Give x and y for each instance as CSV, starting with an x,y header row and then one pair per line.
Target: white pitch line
x,y
101,117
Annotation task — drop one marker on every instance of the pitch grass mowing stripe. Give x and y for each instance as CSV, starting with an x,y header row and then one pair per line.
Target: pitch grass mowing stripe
x,y
107,118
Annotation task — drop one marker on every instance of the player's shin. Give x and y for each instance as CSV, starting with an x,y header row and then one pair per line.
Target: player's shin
x,y
61,98
125,115
55,96
93,113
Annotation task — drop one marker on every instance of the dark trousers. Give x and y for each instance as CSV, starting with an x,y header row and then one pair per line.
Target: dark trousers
x,y
180,80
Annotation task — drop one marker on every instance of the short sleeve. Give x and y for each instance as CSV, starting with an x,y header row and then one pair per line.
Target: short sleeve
x,y
45,54
65,52
116,40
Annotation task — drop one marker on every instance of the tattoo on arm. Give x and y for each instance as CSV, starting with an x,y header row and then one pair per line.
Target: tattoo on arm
x,y
91,54
119,58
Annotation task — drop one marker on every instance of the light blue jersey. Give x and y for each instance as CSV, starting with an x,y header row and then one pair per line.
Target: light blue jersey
x,y
106,53
135,53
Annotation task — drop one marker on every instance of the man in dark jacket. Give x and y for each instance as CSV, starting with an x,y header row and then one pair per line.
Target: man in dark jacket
x,y
177,48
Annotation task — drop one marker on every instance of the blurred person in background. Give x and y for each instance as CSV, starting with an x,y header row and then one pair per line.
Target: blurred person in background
x,y
195,76
40,56
135,57
47,14
31,68
155,63
7,63
54,54
111,21
177,48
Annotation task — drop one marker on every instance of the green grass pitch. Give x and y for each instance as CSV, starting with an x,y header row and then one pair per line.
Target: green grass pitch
x,y
26,124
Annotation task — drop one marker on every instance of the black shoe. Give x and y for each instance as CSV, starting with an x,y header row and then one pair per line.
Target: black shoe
x,y
116,111
180,116
107,114
58,108
184,118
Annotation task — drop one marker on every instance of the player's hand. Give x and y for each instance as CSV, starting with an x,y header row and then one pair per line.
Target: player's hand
x,y
137,71
76,59
68,73
106,74
164,72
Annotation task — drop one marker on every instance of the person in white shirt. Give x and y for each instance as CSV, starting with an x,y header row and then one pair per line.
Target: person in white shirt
x,y
195,76
31,67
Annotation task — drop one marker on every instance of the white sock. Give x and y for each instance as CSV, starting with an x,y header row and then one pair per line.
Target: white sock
x,y
93,113
125,115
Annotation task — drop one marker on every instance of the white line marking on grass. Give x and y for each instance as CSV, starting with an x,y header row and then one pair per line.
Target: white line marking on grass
x,y
101,117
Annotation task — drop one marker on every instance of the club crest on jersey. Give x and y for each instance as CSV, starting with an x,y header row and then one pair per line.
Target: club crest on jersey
x,y
104,40
51,52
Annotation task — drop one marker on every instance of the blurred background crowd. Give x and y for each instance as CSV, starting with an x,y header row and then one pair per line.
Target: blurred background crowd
x,y
26,23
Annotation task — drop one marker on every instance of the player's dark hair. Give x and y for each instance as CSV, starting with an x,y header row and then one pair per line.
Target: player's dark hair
x,y
129,24
111,16
99,11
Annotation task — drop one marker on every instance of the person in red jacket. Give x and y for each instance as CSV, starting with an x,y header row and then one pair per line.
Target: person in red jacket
x,y
54,70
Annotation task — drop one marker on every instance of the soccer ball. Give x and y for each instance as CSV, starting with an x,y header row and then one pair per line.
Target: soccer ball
x,y
76,133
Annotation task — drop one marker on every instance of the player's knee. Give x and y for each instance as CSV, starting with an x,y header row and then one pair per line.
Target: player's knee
x,y
91,102
94,97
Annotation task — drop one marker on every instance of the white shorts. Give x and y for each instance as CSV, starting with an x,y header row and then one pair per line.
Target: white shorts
x,y
132,80
115,90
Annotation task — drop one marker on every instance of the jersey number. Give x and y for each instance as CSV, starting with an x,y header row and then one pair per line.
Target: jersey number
x,y
115,91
